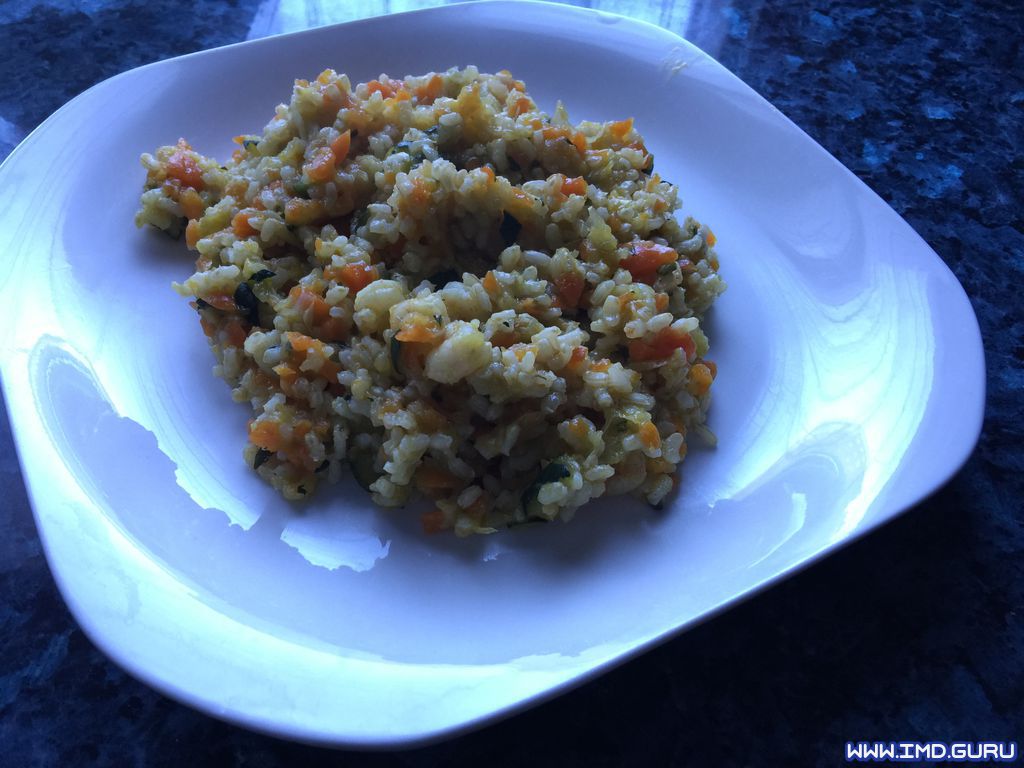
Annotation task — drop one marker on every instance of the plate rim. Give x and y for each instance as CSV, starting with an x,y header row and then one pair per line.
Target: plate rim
x,y
110,645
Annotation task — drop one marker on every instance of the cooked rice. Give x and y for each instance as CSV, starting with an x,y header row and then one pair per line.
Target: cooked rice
x,y
436,283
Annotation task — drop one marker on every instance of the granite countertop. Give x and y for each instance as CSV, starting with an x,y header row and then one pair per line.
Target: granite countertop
x,y
915,632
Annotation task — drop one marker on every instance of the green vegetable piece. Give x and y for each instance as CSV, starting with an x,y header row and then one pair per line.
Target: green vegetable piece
x,y
263,274
551,473
396,354
262,455
174,231
444,277
246,301
510,228
362,469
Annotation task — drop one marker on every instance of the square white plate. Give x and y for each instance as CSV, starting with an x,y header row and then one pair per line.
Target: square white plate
x,y
850,387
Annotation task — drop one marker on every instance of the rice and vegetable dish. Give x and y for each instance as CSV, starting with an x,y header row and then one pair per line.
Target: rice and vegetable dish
x,y
456,295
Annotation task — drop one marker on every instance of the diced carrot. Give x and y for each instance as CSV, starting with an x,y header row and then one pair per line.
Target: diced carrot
x,y
420,195
266,434
208,328
503,339
357,276
700,380
575,186
580,142
476,510
235,333
433,521
332,329
619,130
221,301
298,211
661,301
646,258
182,165
491,282
489,172
578,426
384,89
664,343
240,224
334,100
341,146
285,371
555,133
520,204
306,299
579,354
192,233
601,365
569,288
649,436
300,342
713,367
430,90
435,478
711,239
530,306
519,106
320,167
191,203
420,332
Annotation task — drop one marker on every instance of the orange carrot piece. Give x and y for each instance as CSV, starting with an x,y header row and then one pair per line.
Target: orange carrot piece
x,y
357,276
425,332
235,333
579,354
491,282
575,186
240,224
341,146
519,106
192,233
430,90
182,165
649,435
664,343
646,258
433,521
620,129
266,434
222,301
700,380
191,203
320,167
569,288
299,211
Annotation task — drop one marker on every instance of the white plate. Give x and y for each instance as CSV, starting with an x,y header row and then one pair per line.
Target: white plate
x,y
851,386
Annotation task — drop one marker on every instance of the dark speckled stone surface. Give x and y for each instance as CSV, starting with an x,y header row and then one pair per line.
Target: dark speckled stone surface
x,y
916,632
